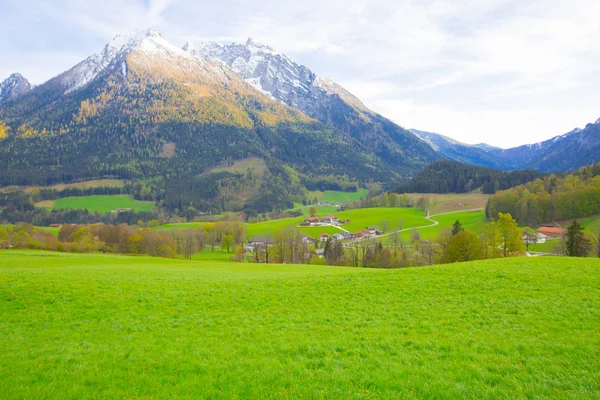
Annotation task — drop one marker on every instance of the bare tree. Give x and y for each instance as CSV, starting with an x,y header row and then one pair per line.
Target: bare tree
x,y
427,251
385,225
399,224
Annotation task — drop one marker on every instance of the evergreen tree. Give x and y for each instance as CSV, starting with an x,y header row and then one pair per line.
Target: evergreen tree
x,y
577,245
457,228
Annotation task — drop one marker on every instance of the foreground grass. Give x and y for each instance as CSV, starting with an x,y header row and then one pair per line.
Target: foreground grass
x,y
101,204
91,326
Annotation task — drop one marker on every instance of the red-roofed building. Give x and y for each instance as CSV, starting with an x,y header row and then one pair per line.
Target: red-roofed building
x,y
551,231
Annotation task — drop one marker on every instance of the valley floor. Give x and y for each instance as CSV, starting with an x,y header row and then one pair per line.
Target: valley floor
x,y
95,326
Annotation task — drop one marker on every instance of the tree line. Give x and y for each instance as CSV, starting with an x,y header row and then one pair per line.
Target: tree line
x,y
126,239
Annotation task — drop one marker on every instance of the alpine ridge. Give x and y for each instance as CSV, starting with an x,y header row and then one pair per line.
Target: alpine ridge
x,y
295,85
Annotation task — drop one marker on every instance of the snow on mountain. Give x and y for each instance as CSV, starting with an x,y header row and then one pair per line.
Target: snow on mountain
x,y
150,43
14,87
274,74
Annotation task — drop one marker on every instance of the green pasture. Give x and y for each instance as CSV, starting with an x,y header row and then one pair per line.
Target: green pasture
x,y
102,203
334,196
96,326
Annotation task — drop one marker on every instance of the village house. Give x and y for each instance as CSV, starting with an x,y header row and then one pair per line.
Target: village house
x,y
359,235
373,230
324,237
257,242
551,231
529,237
338,236
309,240
311,221
330,219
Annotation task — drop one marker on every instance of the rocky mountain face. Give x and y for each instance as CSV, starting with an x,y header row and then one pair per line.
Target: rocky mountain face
x,y
295,85
14,87
562,153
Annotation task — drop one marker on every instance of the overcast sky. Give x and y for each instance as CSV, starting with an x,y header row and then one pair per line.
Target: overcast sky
x,y
504,72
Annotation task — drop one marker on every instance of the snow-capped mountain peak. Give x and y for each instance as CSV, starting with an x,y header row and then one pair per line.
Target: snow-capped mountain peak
x,y
276,75
253,45
13,87
149,42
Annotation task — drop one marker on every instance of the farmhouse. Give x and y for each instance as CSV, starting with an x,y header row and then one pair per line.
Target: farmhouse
x,y
551,231
311,220
308,240
324,237
330,219
529,237
55,225
374,230
338,236
348,235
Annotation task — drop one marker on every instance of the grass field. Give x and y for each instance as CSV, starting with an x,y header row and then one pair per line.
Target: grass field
x,y
470,220
93,326
443,203
333,196
52,230
359,219
101,204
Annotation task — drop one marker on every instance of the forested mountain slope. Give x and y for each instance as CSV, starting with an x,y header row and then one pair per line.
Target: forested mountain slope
x,y
145,110
445,176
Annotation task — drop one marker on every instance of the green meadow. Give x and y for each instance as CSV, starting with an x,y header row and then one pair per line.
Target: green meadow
x,y
359,219
470,220
101,203
95,326
333,196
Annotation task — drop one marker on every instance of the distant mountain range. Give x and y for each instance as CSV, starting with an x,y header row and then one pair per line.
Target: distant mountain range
x,y
180,121
567,152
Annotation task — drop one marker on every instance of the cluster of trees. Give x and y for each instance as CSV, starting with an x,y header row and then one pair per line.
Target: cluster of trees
x,y
382,200
123,238
287,246
499,238
126,239
445,176
51,194
551,198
